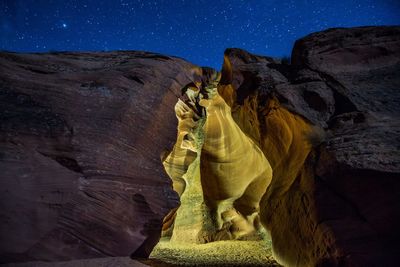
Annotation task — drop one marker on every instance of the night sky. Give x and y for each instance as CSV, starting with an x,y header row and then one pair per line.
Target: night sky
x,y
198,31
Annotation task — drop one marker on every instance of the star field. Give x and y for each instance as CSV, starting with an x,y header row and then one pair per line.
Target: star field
x,y
197,30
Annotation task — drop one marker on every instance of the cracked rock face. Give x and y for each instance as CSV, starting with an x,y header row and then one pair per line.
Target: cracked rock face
x,y
80,141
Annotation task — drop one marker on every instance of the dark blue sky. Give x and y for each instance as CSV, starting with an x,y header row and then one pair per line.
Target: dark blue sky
x,y
196,30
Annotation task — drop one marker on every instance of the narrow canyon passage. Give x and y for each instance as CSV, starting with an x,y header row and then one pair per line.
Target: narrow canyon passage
x,y
220,174
292,162
220,166
304,122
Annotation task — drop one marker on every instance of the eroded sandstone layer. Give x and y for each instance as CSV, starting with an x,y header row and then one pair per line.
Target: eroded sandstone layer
x,y
329,125
80,141
222,186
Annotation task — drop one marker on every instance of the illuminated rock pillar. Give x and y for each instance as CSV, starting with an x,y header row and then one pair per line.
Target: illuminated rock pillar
x,y
221,188
192,216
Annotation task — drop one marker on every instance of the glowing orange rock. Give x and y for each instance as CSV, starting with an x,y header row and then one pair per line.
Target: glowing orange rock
x,y
234,171
228,174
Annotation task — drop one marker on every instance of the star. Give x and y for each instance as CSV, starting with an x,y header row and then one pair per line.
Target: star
x,y
195,30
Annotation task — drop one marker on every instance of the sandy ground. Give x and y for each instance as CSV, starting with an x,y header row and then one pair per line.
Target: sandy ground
x,y
165,254
221,253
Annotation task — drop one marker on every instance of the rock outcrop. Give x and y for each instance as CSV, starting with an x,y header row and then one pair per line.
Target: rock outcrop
x,y
80,141
328,124
221,187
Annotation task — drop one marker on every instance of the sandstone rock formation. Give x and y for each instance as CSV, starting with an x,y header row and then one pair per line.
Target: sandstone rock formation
x,y
328,124
81,135
80,141
222,185
234,172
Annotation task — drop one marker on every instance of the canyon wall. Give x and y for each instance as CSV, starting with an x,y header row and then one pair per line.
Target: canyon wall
x,y
329,125
81,136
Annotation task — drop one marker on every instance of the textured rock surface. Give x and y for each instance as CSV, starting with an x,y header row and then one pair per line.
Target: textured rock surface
x,y
222,187
234,171
328,124
80,141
